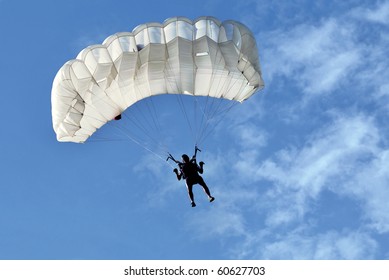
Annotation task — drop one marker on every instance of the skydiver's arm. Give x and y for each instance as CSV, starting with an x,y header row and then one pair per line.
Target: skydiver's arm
x,y
178,174
194,156
200,167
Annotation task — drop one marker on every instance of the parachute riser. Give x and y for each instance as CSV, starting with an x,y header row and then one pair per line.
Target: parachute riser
x,y
172,158
196,149
176,161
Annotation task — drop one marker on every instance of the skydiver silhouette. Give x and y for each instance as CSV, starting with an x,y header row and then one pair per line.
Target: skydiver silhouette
x,y
189,170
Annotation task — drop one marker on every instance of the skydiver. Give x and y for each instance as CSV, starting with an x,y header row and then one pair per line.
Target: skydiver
x,y
189,170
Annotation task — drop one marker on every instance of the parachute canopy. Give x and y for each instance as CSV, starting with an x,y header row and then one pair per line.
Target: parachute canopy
x,y
204,57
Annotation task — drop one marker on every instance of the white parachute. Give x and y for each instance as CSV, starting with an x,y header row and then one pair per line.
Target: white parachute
x,y
204,57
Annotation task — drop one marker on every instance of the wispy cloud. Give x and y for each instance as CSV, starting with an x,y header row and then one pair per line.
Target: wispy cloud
x,y
220,221
225,217
298,244
377,14
370,187
323,57
299,174
317,58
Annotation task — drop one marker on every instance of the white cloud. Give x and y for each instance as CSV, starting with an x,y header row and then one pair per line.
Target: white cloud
x,y
371,78
378,14
226,216
316,58
252,136
144,165
162,182
370,186
298,244
217,222
344,157
300,174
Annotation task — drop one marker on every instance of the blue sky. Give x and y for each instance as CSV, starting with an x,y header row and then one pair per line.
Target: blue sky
x,y
299,171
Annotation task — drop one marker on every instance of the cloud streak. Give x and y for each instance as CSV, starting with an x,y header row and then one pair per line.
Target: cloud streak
x,y
378,14
298,244
300,174
317,58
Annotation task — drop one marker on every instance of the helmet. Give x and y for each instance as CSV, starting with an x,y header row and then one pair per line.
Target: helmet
x,y
185,157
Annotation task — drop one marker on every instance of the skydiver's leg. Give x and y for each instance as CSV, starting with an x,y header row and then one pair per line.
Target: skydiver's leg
x,y
201,182
189,186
